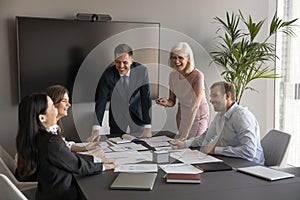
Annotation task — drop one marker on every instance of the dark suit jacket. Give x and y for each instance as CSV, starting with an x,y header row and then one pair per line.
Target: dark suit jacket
x,y
56,165
139,104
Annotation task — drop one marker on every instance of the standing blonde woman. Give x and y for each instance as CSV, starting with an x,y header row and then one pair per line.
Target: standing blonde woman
x,y
186,83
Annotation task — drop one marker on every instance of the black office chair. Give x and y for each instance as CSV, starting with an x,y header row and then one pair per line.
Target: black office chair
x,y
275,145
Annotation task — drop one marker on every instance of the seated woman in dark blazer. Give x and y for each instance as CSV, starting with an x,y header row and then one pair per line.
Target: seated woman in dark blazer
x,y
43,152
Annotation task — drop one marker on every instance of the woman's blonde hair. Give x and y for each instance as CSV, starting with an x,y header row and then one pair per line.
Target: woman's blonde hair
x,y
184,47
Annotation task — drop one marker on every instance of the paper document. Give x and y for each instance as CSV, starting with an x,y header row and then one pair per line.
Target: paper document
x,y
127,157
137,168
162,138
159,141
187,153
128,147
118,140
180,168
131,160
82,144
103,146
193,156
206,159
124,154
126,138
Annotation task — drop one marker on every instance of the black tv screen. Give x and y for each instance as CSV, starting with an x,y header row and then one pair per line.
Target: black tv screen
x,y
74,53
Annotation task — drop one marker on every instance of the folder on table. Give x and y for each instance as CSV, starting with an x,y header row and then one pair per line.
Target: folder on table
x,y
134,181
213,166
265,172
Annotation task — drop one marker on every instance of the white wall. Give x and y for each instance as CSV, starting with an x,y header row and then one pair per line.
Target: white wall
x,y
189,19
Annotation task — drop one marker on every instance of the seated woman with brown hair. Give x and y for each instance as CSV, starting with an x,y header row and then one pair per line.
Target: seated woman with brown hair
x,y
60,97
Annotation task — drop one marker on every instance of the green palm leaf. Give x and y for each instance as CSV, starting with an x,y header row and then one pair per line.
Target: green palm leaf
x,y
242,58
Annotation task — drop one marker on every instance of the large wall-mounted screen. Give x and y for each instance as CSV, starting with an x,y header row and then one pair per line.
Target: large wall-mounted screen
x,y
75,53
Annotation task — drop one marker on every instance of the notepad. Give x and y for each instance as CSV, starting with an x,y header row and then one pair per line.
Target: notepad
x,y
134,181
265,172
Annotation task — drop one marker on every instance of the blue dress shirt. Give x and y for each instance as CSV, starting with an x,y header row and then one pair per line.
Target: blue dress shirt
x,y
236,134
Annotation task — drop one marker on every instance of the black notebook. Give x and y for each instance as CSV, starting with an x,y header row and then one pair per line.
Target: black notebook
x,y
213,166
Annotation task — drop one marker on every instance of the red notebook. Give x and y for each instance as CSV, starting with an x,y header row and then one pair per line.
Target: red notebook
x,y
183,178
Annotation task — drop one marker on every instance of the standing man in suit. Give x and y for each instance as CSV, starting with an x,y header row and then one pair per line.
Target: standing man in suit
x,y
126,86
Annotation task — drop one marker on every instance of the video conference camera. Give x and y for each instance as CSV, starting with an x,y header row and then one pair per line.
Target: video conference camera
x,y
93,17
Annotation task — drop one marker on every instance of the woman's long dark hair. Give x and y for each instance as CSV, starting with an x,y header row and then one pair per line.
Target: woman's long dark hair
x,y
29,126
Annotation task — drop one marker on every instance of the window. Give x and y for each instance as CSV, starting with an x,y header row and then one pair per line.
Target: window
x,y
287,88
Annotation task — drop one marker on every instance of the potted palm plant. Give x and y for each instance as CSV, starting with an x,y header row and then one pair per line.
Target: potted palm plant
x,y
241,56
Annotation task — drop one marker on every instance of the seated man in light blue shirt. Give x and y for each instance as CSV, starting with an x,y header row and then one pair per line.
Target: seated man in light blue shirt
x,y
234,130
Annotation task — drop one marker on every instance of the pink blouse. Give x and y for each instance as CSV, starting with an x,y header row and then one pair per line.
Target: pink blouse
x,y
184,89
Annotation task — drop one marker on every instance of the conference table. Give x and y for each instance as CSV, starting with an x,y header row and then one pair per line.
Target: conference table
x,y
230,184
